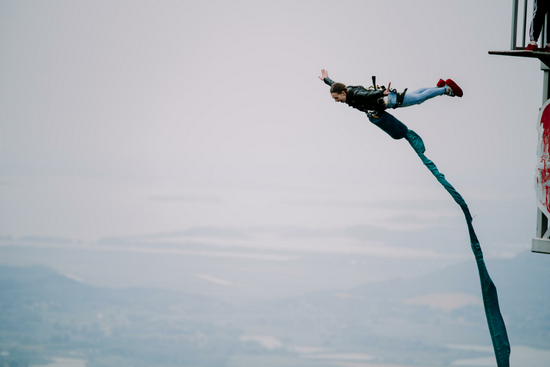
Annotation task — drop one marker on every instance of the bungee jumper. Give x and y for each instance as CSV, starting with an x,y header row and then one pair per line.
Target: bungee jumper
x,y
374,101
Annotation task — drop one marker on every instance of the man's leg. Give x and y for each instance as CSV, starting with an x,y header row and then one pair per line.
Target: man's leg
x,y
416,97
539,11
546,11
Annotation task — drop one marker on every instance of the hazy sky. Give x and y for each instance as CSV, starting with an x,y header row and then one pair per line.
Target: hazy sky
x,y
124,118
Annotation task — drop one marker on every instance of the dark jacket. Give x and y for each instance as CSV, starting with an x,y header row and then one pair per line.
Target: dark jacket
x,y
370,100
361,98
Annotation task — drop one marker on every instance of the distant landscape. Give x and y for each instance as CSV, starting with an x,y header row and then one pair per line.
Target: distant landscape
x,y
47,318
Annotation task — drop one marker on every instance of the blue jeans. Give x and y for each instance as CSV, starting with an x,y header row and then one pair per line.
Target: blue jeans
x,y
416,97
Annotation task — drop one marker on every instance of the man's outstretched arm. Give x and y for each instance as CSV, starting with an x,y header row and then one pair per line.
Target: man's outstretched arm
x,y
324,77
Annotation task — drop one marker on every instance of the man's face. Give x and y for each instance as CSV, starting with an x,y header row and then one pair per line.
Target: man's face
x,y
339,97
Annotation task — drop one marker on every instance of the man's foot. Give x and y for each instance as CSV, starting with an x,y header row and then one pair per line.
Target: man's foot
x,y
532,47
454,88
440,83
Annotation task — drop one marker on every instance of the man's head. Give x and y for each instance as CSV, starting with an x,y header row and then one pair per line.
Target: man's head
x,y
339,91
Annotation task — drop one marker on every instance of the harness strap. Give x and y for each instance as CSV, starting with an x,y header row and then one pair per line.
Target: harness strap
x,y
400,97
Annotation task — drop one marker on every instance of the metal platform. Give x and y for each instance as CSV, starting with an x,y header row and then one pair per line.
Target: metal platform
x,y
544,57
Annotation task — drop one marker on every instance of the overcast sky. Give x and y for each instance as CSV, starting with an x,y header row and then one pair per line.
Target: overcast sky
x,y
123,118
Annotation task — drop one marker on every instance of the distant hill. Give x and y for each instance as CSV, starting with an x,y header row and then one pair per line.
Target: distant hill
x,y
40,284
427,312
523,285
45,315
407,321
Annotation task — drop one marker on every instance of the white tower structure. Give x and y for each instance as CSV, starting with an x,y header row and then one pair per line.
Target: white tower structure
x,y
541,241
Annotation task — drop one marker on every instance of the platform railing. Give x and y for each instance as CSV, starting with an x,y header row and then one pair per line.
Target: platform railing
x,y
527,16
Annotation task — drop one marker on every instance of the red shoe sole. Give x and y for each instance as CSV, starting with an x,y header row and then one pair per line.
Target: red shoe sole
x,y
455,88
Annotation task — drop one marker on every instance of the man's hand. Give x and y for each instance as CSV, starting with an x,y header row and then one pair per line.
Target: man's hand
x,y
324,74
387,91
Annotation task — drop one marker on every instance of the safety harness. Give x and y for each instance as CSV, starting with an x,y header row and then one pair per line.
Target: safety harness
x,y
400,97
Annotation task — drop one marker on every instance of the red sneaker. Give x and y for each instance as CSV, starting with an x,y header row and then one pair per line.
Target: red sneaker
x,y
532,47
546,49
440,83
456,91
